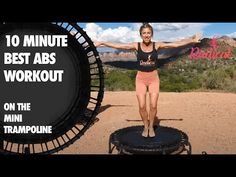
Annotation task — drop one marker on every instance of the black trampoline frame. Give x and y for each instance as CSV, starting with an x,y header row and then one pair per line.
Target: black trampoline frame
x,y
183,146
64,139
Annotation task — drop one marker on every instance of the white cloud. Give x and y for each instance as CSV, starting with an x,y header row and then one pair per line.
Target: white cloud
x,y
162,32
176,31
93,30
169,26
233,35
120,34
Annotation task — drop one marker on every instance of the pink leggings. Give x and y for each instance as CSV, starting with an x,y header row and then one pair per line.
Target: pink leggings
x,y
146,80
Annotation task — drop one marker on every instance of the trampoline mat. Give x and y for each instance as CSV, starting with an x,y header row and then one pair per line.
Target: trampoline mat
x,y
167,140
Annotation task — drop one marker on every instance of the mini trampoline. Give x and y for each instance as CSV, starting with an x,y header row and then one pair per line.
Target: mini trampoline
x,y
167,141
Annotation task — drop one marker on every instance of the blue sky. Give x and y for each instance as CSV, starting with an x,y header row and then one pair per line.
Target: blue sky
x,y
220,28
128,32
209,30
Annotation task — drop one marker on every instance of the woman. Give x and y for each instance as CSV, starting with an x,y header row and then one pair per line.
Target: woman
x,y
147,78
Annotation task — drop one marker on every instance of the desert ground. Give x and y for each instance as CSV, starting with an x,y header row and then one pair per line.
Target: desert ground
x,y
208,118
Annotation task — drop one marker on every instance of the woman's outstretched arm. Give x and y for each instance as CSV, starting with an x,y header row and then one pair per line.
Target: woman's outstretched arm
x,y
128,46
192,40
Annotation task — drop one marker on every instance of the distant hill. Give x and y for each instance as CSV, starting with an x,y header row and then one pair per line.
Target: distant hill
x,y
223,43
122,58
123,55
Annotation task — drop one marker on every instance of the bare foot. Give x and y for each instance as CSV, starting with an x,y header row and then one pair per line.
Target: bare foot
x,y
151,132
145,132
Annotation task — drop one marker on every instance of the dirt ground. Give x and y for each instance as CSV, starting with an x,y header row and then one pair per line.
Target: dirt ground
x,y
208,118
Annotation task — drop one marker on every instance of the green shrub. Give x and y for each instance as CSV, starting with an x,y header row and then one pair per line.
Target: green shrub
x,y
180,76
117,80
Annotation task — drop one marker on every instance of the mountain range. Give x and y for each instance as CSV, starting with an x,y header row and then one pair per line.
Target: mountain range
x,y
223,43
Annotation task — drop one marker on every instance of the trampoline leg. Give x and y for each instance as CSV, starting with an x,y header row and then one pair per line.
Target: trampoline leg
x,y
189,150
111,149
109,146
